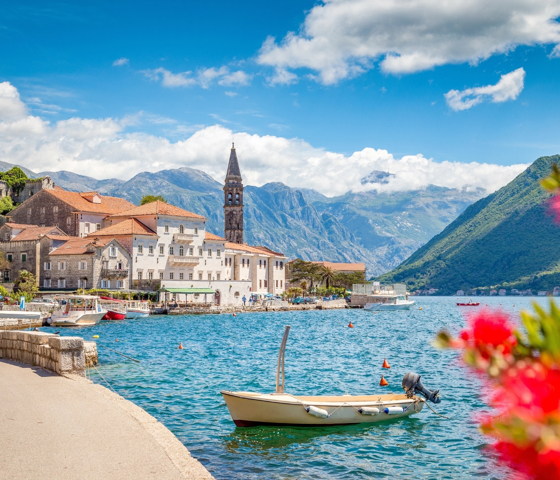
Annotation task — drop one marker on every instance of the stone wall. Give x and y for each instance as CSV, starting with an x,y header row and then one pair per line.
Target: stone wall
x,y
32,186
62,355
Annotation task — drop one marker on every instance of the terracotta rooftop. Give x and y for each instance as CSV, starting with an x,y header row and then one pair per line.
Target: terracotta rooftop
x,y
158,208
57,237
19,225
130,226
34,233
108,205
211,236
79,246
247,248
269,251
343,267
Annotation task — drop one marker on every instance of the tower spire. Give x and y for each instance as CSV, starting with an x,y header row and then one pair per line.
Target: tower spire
x,y
233,200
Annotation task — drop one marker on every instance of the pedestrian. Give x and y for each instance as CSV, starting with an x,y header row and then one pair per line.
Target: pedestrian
x,y
244,299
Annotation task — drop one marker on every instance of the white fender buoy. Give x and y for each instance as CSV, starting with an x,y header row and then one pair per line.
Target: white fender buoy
x,y
394,410
368,410
317,412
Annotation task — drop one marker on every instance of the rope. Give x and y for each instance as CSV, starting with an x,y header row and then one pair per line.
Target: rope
x,y
105,379
118,353
438,414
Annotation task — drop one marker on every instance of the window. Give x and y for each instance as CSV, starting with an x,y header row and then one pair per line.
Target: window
x,y
281,265
209,252
24,257
264,263
151,249
218,253
55,209
171,250
237,198
119,266
181,251
47,283
150,275
191,251
62,265
61,283
103,283
98,226
139,274
112,251
196,230
229,198
200,252
276,266
28,211
181,275
276,283
247,263
69,221
181,229
82,283
171,276
6,275
140,249
218,276
200,275
210,276
47,265
161,275
10,257
6,236
260,283
243,262
82,266
265,284
260,263
166,229
280,283
161,249
190,276
42,209
120,284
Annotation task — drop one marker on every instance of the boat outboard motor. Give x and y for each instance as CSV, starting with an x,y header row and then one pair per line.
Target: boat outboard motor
x,y
412,385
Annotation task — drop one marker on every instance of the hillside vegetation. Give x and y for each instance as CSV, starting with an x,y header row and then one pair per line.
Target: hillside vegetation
x,y
507,239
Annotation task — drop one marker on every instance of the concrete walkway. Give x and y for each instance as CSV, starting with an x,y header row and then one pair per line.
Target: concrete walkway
x,y
52,427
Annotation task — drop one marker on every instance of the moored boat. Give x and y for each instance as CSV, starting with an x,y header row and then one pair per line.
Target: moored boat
x,y
470,303
137,308
77,311
387,297
116,309
249,409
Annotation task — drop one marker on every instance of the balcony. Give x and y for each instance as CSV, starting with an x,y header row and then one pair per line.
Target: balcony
x,y
177,261
114,272
183,237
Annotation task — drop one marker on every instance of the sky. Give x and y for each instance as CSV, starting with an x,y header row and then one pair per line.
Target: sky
x,y
461,94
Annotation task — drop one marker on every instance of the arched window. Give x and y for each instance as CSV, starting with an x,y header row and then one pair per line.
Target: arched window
x,y
237,198
181,251
181,229
229,198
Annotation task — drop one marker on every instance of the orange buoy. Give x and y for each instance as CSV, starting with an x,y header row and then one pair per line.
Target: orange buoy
x,y
180,346
234,314
386,364
383,382
117,340
350,325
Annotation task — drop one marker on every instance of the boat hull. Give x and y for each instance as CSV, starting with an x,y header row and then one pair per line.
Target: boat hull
x,y
84,320
136,314
381,307
114,315
250,409
20,314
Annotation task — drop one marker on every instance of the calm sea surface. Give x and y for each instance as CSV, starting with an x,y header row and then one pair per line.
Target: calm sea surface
x,y
181,388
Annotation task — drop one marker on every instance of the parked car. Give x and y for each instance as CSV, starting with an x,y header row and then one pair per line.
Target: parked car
x,y
310,300
298,300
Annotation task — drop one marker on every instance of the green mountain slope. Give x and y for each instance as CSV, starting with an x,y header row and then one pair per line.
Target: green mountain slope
x,y
507,239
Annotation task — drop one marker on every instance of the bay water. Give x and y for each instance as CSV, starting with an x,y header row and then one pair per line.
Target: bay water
x,y
181,388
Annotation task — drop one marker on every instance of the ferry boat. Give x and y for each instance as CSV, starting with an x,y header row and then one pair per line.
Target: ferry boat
x,y
248,409
77,311
116,309
137,308
387,297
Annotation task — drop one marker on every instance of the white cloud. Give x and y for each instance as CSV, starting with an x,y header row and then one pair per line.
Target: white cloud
x,y
119,62
341,38
508,88
231,94
103,148
204,77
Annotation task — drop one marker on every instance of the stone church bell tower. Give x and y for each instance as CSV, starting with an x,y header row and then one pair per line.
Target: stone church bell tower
x,y
233,200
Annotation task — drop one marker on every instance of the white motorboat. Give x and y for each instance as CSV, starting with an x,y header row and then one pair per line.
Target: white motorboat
x,y
20,315
388,302
377,297
137,308
77,311
249,409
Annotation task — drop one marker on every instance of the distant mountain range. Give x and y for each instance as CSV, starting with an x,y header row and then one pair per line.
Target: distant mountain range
x,y
378,229
507,240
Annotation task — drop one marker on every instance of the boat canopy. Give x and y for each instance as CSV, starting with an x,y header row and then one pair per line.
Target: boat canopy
x,y
188,290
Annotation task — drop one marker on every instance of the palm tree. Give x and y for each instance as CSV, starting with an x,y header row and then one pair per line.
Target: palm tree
x,y
327,275
303,286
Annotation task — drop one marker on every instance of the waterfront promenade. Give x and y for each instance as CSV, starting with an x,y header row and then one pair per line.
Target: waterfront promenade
x,y
53,427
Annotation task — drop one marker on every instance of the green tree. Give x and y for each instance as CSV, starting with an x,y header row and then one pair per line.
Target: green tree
x,y
308,271
152,198
25,286
327,275
6,205
346,280
15,179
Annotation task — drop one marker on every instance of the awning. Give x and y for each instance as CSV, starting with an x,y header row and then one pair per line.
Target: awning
x,y
188,290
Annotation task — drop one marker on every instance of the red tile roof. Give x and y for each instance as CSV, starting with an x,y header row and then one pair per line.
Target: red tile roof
x,y
158,208
130,226
270,252
108,205
19,225
343,267
79,246
247,248
211,236
34,233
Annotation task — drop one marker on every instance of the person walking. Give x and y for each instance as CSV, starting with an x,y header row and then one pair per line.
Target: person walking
x,y
244,299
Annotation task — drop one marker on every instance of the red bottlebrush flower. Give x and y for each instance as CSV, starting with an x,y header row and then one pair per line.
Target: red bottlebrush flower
x,y
543,465
554,205
488,328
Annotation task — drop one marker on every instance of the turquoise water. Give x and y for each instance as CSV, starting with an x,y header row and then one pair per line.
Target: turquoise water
x,y
181,388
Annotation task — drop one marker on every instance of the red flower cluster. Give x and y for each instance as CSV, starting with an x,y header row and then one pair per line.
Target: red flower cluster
x,y
529,461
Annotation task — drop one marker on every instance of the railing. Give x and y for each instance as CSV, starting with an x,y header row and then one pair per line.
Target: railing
x,y
114,272
188,260
183,237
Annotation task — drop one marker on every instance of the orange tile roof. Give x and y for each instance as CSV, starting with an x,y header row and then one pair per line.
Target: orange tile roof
x,y
158,208
130,226
19,225
271,252
108,205
343,267
79,246
34,233
247,248
58,237
211,236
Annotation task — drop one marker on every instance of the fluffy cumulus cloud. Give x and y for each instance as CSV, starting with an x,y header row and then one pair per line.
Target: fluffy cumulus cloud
x,y
342,38
103,148
203,77
508,88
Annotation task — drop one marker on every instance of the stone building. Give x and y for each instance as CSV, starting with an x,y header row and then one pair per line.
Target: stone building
x,y
334,266
233,200
76,214
26,246
31,187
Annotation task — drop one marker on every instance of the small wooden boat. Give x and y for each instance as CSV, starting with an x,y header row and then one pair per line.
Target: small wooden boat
x,y
249,409
116,309
470,303
137,308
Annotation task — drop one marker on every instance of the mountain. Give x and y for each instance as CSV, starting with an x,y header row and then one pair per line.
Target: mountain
x,y
378,229
507,239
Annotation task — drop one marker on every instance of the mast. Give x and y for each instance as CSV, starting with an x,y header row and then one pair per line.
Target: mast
x,y
280,386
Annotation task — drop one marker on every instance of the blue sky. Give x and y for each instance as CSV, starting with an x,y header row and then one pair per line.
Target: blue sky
x,y
60,60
